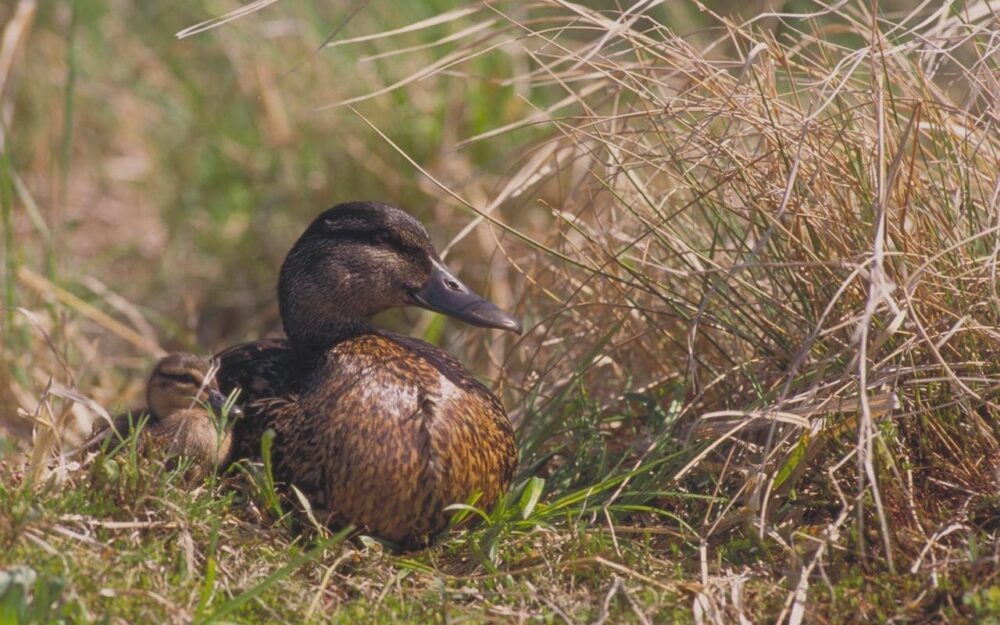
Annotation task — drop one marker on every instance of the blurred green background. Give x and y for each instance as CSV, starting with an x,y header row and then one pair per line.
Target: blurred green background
x,y
177,172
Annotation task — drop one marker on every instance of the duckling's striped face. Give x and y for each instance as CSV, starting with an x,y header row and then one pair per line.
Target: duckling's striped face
x,y
178,382
360,258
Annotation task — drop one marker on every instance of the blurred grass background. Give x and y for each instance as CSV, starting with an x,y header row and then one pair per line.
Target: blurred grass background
x,y
754,244
157,167
165,179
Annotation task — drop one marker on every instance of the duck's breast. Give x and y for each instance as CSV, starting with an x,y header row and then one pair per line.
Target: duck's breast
x,y
396,439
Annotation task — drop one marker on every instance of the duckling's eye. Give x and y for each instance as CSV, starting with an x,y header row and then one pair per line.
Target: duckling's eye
x,y
183,378
381,237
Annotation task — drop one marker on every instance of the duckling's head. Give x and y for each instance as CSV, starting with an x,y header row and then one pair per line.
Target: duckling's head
x,y
361,258
179,382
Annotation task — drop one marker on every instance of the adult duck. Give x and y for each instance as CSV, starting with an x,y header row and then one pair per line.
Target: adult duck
x,y
378,430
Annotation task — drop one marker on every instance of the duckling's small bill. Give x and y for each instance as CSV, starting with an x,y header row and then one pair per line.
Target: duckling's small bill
x,y
444,293
217,402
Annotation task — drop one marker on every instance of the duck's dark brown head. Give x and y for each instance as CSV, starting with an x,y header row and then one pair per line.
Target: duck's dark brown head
x,y
361,258
180,381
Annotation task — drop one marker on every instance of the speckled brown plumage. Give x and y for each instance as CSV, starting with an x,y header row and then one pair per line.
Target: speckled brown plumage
x,y
192,433
378,430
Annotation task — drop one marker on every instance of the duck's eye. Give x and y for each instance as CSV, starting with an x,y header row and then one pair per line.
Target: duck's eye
x,y
381,237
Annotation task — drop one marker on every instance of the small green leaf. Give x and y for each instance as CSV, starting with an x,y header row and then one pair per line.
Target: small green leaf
x,y
467,508
793,460
532,493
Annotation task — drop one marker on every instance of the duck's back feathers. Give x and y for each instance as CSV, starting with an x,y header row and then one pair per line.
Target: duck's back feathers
x,y
263,368
268,375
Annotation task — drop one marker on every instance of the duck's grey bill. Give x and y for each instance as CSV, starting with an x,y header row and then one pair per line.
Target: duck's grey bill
x,y
444,293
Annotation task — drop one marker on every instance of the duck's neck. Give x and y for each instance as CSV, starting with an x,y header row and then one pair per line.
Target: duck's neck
x,y
322,300
314,322
316,336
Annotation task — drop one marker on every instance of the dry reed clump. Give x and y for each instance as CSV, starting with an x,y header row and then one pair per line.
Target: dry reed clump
x,y
787,238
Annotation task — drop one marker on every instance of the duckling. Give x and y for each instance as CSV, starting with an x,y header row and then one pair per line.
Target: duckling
x,y
176,394
381,431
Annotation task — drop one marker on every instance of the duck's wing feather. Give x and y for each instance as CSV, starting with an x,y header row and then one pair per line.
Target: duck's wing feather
x,y
448,365
383,431
260,369
266,372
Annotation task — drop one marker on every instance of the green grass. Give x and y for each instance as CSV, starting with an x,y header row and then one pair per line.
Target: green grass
x,y
138,543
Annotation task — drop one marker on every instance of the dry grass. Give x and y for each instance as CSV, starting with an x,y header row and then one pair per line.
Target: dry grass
x,y
759,264
798,242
